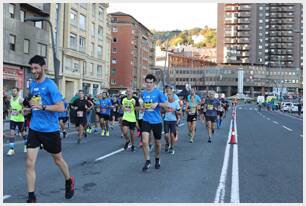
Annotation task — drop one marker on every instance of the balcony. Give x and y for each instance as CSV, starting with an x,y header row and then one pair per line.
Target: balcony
x,y
244,14
244,7
243,21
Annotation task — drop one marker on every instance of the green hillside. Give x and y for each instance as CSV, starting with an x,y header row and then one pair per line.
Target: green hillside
x,y
185,37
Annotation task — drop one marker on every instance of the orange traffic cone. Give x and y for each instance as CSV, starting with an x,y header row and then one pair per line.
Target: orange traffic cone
x,y
233,137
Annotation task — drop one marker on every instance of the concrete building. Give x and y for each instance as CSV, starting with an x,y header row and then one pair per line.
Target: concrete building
x,y
260,34
83,46
132,52
21,41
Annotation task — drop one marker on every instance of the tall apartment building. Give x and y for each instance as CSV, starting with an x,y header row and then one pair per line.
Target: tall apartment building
x,y
83,45
260,34
132,52
21,41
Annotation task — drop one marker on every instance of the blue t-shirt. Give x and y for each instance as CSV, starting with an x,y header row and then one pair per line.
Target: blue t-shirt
x,y
170,116
104,106
64,114
212,105
176,98
152,116
46,93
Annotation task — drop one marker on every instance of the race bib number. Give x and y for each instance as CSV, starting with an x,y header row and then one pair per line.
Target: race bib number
x,y
128,109
79,113
210,107
103,110
191,112
14,112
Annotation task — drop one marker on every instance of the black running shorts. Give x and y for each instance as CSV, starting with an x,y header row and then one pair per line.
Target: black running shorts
x,y
191,118
211,118
64,119
51,141
156,128
80,121
130,125
14,124
170,126
105,117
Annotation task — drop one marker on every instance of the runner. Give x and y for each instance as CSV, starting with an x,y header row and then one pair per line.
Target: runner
x,y
211,106
114,110
191,117
89,113
220,112
171,119
81,106
139,120
130,105
120,114
63,118
46,102
153,99
104,114
16,120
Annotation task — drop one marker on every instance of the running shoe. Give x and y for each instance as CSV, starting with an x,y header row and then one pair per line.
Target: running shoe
x,y
11,152
64,134
126,145
166,147
191,141
146,166
157,164
69,188
107,133
209,140
85,134
102,133
212,131
133,148
171,151
25,148
140,144
31,200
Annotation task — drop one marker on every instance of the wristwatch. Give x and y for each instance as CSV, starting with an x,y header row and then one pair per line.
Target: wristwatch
x,y
43,107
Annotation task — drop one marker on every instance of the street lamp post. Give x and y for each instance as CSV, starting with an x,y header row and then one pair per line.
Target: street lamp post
x,y
56,62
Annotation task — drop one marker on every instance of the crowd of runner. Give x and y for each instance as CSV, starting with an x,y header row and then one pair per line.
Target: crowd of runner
x,y
42,117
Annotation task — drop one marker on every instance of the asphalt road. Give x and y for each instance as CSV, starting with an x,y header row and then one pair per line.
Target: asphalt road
x,y
268,168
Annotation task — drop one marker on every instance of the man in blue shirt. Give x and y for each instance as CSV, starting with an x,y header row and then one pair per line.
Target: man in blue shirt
x,y
63,118
172,113
45,103
211,108
104,105
153,99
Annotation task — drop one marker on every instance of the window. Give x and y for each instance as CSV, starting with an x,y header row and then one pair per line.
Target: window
x,y
93,29
26,46
82,42
100,32
115,19
100,13
92,49
73,17
42,49
115,29
12,42
114,61
114,39
38,24
93,8
114,71
99,69
83,5
84,67
22,15
73,41
12,10
113,82
82,22
99,52
76,66
114,50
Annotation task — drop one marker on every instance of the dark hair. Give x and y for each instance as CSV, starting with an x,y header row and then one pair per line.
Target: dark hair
x,y
37,60
150,76
81,90
15,88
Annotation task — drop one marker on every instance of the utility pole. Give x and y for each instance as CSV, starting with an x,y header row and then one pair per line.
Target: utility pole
x,y
166,59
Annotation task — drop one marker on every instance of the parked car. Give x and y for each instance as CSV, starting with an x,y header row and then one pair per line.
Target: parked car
x,y
285,106
294,108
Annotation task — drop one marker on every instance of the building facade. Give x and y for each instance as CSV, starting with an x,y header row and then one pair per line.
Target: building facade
x,y
260,34
83,45
21,41
132,52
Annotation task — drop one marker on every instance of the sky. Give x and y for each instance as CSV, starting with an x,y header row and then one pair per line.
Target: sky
x,y
170,16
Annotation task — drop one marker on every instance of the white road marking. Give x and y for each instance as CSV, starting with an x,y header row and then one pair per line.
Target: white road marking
x,y
6,197
287,128
268,118
235,197
220,193
301,135
250,108
275,122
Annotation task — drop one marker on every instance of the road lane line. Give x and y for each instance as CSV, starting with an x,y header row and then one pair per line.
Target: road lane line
x,y
220,193
287,128
235,198
6,197
275,122
268,118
